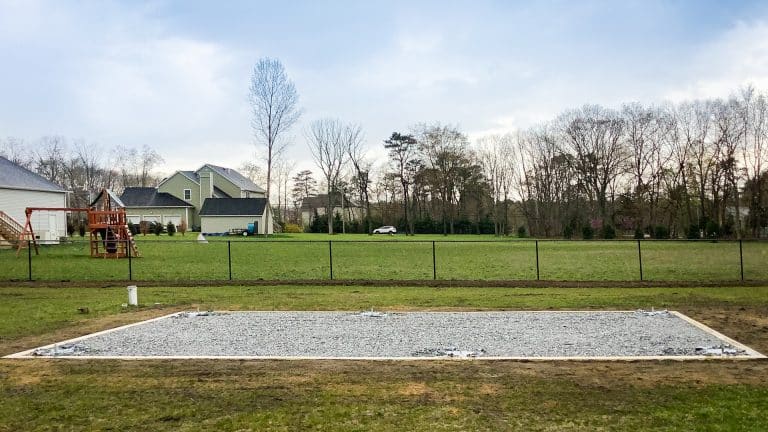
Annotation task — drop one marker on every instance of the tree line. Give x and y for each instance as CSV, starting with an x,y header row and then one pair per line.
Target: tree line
x,y
81,167
691,169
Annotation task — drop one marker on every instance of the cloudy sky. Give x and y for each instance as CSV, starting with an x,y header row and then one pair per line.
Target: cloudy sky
x,y
174,75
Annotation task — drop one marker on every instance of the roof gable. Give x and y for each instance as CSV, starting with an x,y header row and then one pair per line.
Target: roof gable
x,y
234,177
14,176
188,175
233,207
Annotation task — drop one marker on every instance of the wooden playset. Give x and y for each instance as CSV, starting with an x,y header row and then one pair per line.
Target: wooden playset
x,y
107,227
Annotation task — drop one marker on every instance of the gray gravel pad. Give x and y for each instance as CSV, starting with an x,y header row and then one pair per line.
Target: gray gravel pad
x,y
410,334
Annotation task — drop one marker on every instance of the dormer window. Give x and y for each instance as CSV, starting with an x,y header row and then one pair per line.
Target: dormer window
x,y
187,194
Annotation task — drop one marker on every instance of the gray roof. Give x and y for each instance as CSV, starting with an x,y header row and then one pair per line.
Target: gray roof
x,y
150,197
233,207
13,176
235,177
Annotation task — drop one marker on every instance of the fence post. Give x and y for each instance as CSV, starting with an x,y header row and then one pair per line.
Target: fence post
x,y
537,260
130,263
229,258
640,259
434,262
330,257
29,258
741,259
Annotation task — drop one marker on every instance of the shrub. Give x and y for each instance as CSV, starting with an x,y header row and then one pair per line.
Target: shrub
x,y
587,232
157,228
522,232
337,225
660,232
486,225
693,232
170,228
639,234
712,229
425,225
568,232
608,232
319,224
145,227
133,228
183,227
292,228
70,228
81,229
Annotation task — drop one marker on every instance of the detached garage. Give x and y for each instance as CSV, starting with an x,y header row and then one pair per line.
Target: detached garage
x,y
21,188
220,215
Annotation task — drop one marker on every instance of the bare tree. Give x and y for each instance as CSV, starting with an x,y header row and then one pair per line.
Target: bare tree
x,y
49,158
593,136
361,178
495,153
328,142
445,150
252,171
275,107
283,169
15,150
754,153
402,155
644,128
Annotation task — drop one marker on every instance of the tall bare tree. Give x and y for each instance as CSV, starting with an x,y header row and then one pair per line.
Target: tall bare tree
x,y
495,154
328,141
275,107
283,169
361,178
445,151
754,153
593,135
402,155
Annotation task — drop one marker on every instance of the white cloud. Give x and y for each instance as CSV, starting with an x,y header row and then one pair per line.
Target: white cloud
x,y
739,57
186,98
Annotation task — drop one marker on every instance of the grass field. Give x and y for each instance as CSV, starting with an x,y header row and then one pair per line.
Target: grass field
x,y
308,256
44,394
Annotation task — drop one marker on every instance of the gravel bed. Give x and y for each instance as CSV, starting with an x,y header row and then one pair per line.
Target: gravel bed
x,y
410,334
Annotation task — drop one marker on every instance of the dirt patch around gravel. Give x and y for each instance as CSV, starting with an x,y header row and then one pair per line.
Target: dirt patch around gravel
x,y
748,325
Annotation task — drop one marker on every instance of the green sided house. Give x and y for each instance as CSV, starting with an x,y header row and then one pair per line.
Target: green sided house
x,y
183,196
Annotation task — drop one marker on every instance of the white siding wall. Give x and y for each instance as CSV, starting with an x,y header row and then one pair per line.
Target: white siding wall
x,y
15,201
220,224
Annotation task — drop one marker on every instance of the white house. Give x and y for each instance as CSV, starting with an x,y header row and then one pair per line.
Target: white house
x,y
21,188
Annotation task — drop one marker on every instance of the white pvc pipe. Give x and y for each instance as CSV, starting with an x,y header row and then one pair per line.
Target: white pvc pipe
x,y
133,295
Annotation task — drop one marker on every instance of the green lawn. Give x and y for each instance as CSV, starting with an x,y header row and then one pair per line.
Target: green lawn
x,y
45,394
308,256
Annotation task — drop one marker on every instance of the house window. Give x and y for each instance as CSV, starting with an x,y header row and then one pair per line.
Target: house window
x,y
187,194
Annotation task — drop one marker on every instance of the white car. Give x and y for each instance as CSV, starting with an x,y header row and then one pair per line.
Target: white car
x,y
385,230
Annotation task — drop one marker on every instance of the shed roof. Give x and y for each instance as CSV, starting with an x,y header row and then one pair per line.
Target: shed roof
x,y
233,207
14,176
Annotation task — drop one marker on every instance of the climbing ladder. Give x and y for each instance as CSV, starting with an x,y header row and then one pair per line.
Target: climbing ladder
x,y
10,230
